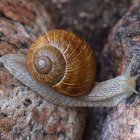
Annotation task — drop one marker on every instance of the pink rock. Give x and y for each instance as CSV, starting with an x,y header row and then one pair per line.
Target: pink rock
x,y
24,114
123,122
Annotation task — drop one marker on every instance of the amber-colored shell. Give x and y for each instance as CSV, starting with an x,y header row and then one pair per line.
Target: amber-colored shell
x,y
64,61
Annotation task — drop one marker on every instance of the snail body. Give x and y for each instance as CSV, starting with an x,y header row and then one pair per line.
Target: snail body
x,y
64,62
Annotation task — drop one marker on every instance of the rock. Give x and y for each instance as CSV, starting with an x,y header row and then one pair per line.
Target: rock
x,y
24,114
123,121
92,20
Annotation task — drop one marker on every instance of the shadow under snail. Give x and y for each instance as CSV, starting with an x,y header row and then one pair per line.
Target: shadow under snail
x,y
63,61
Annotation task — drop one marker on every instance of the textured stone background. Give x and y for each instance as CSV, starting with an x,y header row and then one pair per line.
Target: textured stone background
x,y
93,20
28,116
23,114
123,121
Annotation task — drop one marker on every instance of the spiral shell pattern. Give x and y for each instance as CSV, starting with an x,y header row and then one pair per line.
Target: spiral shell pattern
x,y
63,61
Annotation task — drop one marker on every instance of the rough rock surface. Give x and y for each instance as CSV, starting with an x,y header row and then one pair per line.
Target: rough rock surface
x,y
23,114
123,121
92,20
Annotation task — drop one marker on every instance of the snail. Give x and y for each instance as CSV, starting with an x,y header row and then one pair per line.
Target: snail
x,y
60,66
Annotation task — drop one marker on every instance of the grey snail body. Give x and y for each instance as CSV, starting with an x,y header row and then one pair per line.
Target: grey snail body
x,y
108,93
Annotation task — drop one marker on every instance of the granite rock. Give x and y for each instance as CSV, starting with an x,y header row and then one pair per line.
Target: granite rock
x,y
23,114
123,122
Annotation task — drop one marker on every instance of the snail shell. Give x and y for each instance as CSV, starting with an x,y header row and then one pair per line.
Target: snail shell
x,y
63,61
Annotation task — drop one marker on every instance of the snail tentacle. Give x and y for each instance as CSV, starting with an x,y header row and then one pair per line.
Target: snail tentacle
x,y
127,73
